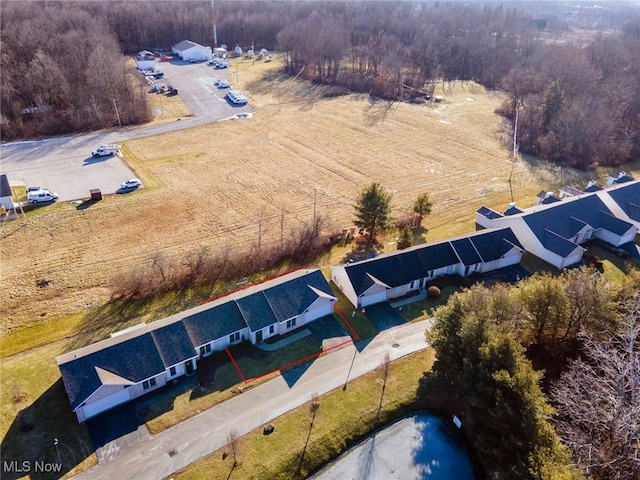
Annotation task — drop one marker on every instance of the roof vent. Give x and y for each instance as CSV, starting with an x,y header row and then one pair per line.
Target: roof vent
x,y
548,195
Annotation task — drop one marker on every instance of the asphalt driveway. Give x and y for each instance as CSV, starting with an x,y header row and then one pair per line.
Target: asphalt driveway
x,y
328,331
115,431
383,316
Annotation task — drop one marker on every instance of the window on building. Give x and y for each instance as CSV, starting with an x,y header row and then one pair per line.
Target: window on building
x,y
145,385
271,328
172,371
152,382
231,338
291,323
208,348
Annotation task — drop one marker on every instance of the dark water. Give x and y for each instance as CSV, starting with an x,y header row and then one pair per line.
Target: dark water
x,y
423,446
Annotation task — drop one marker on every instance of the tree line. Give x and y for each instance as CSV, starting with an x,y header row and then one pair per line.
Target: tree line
x,y
578,418
63,69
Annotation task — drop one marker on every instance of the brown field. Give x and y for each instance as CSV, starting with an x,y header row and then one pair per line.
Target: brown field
x,y
208,186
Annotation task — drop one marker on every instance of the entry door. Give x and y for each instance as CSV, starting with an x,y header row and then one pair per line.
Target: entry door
x,y
258,336
188,366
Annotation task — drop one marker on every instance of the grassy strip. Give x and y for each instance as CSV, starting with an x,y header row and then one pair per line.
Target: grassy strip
x,y
35,410
297,447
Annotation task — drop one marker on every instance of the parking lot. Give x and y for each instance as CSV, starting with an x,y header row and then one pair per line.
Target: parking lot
x,y
196,87
64,164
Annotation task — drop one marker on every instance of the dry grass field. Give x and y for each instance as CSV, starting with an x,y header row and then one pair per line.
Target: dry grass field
x,y
209,185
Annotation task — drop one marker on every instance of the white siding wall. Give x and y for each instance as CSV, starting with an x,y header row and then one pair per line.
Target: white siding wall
x,y
341,280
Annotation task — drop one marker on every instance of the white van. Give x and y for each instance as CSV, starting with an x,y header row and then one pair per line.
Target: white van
x,y
41,196
236,97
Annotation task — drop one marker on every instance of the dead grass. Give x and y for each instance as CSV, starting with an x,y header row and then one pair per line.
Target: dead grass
x,y
207,185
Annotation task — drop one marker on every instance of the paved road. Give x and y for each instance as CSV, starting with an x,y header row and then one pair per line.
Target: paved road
x,y
206,432
64,164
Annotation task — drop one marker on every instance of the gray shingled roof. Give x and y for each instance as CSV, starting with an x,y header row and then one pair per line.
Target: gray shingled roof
x,y
493,245
5,188
627,197
400,268
213,323
488,213
135,359
293,297
256,311
466,251
567,218
173,343
150,350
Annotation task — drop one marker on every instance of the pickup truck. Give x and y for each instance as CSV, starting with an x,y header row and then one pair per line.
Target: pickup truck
x,y
104,150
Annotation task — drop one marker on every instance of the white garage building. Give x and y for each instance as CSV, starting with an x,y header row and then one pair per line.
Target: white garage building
x,y
188,50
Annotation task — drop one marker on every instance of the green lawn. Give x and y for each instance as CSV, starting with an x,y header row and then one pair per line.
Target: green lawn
x,y
35,410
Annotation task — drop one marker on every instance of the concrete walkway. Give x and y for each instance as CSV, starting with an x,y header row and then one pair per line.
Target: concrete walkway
x,y
207,432
271,347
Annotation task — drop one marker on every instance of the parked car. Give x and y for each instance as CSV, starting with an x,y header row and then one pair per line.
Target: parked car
x,y
222,84
130,184
41,196
221,65
236,97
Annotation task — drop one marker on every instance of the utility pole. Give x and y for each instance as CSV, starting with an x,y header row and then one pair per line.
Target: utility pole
x,y
515,150
115,107
315,225
213,18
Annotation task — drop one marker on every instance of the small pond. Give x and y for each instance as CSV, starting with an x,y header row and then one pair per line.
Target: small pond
x,y
423,446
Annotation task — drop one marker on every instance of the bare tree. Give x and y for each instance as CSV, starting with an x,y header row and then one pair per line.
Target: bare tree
x,y
385,370
233,447
314,406
599,402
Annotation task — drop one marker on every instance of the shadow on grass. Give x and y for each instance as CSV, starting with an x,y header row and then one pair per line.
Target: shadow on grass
x,y
29,441
115,315
86,204
378,110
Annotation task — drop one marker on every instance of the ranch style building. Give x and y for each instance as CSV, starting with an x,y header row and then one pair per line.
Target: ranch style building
x,y
142,359
556,230
191,51
395,274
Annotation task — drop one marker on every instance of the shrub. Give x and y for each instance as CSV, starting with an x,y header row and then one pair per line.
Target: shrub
x,y
433,292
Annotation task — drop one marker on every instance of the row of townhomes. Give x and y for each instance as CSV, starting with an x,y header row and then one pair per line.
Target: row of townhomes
x,y
141,359
137,361
557,226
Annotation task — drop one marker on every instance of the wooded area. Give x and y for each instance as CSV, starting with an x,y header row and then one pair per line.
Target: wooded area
x,y
578,99
505,351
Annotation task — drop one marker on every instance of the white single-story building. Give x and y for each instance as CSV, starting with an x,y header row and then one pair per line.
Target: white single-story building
x,y
395,274
554,232
188,50
6,196
137,361
145,60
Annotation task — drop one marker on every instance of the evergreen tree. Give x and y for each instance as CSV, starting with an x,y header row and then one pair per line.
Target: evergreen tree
x,y
406,238
422,206
504,408
372,209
